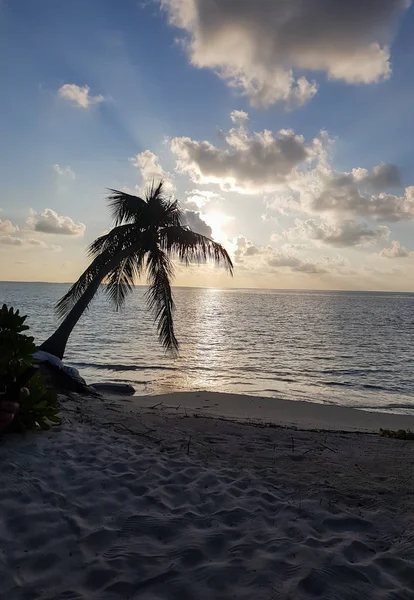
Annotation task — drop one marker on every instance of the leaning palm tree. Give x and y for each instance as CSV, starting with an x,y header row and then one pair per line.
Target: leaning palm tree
x,y
148,234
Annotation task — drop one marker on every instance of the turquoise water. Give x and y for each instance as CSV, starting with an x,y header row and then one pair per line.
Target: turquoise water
x,y
348,348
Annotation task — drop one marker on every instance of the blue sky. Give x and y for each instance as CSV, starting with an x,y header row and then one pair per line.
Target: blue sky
x,y
161,71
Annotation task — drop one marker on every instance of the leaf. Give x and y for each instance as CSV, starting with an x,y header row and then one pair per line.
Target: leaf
x,y
159,295
39,405
54,419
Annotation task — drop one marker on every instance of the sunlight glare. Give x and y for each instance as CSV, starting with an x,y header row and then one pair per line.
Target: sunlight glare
x,y
217,221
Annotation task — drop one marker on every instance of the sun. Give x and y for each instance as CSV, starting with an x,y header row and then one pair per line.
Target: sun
x,y
217,221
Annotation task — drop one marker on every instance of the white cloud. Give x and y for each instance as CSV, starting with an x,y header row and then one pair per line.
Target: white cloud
x,y
342,235
7,227
266,259
296,173
42,244
239,117
250,163
151,170
199,198
348,194
78,95
10,240
64,171
50,222
396,251
259,46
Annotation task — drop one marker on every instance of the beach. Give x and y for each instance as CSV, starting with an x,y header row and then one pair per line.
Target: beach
x,y
207,495
207,300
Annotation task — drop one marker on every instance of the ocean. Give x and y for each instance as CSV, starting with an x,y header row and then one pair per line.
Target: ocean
x,y
347,348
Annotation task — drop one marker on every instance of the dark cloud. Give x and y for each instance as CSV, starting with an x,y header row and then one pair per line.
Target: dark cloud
x,y
344,194
196,223
257,45
249,163
341,235
382,177
50,222
262,257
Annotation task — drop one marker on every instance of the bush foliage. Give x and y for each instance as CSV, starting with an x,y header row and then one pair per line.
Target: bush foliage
x,y
401,434
19,381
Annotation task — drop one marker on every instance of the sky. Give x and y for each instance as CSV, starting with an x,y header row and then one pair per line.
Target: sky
x,y
283,127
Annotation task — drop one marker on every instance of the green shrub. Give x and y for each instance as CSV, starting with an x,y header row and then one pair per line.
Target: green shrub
x,y
16,348
37,410
401,434
39,406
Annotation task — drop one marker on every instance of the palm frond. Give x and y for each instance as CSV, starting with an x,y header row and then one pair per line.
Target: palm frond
x,y
118,238
174,214
160,300
191,247
163,210
155,193
120,281
107,251
125,207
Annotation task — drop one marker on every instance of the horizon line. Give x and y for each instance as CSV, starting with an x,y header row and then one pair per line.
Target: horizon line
x,y
201,287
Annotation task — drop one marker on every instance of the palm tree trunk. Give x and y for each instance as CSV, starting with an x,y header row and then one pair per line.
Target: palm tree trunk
x,y
56,344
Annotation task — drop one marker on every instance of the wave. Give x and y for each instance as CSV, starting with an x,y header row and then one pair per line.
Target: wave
x,y
371,386
336,384
112,367
355,371
389,406
356,386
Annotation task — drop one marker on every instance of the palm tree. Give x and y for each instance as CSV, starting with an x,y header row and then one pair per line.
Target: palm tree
x,y
147,234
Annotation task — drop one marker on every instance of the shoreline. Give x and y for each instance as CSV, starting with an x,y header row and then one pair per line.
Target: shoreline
x,y
273,411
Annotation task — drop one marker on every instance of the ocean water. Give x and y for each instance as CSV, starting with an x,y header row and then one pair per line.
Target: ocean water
x,y
347,348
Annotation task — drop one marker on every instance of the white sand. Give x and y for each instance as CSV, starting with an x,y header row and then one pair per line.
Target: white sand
x,y
303,415
201,508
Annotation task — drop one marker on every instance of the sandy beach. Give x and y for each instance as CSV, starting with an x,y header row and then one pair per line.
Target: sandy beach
x,y
206,496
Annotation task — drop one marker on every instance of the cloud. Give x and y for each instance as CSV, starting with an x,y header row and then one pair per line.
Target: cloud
x,y
50,222
64,171
244,248
78,96
396,251
341,235
343,196
7,227
267,258
296,172
250,163
199,198
239,116
351,194
151,170
10,240
382,177
43,244
197,224
260,46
